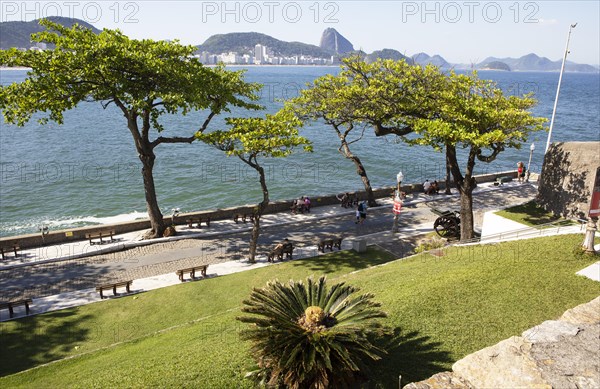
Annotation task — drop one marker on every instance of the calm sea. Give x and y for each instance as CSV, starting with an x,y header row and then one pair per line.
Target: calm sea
x,y
87,171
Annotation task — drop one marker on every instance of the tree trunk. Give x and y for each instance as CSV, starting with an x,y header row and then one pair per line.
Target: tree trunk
x,y
262,206
465,186
360,170
156,217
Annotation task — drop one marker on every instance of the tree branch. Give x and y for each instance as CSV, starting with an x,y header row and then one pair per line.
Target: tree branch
x,y
175,139
496,149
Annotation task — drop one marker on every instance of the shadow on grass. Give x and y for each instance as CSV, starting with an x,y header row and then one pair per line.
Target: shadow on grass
x,y
346,260
23,342
532,214
410,355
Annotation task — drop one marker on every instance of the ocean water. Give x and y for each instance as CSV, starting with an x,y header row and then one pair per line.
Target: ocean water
x,y
86,171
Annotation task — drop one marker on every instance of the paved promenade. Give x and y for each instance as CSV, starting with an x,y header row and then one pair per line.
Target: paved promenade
x,y
65,275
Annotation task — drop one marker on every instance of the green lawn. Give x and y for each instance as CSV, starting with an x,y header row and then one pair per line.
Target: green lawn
x,y
441,309
532,215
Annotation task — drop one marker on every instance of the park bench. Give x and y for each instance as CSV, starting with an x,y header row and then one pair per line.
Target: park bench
x,y
12,248
287,249
243,217
192,270
190,221
114,286
100,235
330,243
11,304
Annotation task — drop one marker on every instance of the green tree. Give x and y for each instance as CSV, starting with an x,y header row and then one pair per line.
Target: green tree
x,y
250,139
144,79
385,95
309,335
474,115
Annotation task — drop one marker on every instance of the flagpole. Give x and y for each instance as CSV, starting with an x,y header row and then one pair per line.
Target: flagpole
x,y
562,69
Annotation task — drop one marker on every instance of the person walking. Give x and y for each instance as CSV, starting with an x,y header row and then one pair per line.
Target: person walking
x,y
361,212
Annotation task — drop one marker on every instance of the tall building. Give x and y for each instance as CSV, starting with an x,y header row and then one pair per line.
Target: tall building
x,y
260,54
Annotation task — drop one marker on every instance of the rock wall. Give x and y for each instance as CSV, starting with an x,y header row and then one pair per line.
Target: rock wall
x,y
563,353
567,178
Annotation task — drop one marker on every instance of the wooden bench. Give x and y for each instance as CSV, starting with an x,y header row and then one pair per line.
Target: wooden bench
x,y
99,235
114,287
243,217
330,243
198,220
287,249
192,271
11,304
7,249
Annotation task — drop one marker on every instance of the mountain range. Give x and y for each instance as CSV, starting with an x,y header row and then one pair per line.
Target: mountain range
x,y
17,34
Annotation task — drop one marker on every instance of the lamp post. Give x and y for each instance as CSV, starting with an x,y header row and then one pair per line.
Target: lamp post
x,y
531,149
562,69
397,201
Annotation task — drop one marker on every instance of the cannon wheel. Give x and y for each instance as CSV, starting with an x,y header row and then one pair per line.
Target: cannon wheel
x,y
447,227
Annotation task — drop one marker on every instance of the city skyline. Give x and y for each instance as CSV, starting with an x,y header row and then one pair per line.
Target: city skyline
x,y
461,32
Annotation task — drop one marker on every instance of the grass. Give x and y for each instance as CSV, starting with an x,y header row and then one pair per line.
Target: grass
x,y
533,215
440,308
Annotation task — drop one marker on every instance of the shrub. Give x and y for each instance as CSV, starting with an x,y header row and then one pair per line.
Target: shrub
x,y
306,335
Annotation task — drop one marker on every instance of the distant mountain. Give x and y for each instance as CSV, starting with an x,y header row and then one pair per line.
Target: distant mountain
x,y
496,65
534,63
244,42
387,54
436,60
18,34
332,41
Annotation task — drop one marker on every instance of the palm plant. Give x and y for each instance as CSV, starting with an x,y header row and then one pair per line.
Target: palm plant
x,y
306,335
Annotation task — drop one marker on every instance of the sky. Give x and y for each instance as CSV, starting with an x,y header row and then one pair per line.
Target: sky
x,y
460,31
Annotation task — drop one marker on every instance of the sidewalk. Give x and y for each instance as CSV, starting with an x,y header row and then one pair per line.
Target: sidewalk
x,y
218,229
82,249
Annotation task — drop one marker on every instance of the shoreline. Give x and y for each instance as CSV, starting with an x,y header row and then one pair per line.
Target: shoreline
x,y
79,233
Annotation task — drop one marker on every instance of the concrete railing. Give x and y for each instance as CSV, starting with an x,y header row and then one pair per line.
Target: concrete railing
x,y
78,234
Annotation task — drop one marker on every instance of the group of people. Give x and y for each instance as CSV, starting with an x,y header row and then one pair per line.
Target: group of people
x,y
301,205
348,200
430,188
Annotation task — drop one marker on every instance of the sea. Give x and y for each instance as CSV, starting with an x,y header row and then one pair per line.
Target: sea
x,y
86,171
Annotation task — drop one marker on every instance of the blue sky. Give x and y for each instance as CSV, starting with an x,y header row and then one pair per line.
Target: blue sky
x,y
460,31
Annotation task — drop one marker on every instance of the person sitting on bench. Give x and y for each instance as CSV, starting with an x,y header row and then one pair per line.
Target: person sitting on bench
x,y
281,245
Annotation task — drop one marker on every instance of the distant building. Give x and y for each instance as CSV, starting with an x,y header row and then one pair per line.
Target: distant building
x,y
260,54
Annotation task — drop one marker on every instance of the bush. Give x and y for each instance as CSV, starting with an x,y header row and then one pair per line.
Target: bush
x,y
306,335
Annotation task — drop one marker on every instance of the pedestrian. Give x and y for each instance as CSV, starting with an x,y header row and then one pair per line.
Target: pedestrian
x,y
361,213
306,204
427,187
520,171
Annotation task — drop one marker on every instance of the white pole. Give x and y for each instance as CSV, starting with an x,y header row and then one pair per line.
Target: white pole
x,y
562,69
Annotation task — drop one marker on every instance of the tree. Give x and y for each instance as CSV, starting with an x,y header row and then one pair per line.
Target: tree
x,y
249,139
385,95
143,78
308,335
474,115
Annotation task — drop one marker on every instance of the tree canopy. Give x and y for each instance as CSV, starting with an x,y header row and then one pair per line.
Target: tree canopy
x,y
250,139
145,79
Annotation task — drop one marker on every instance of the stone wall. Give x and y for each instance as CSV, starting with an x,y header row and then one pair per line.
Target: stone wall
x,y
78,234
563,353
567,178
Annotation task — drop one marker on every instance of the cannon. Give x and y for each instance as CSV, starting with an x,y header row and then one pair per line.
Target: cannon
x,y
447,225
